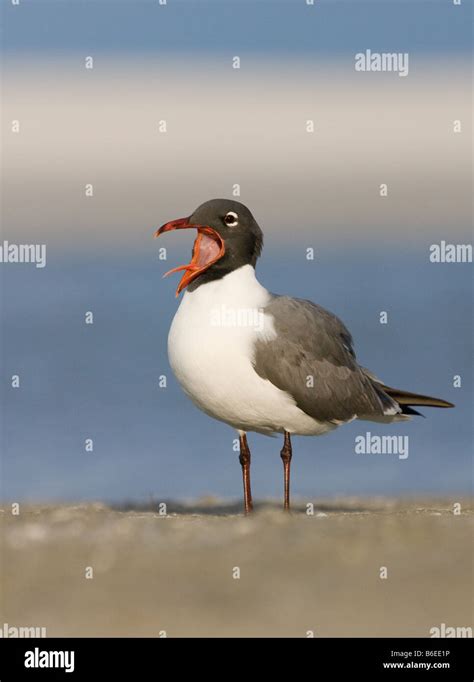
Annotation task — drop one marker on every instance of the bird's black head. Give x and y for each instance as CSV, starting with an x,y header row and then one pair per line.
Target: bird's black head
x,y
228,238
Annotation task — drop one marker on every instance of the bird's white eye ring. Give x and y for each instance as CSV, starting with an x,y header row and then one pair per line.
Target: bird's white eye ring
x,y
231,219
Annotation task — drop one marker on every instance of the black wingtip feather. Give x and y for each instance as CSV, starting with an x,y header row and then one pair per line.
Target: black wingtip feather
x,y
406,409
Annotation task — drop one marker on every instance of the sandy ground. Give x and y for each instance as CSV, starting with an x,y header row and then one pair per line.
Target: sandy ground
x,y
176,574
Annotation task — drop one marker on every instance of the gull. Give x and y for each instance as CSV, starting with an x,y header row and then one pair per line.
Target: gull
x,y
262,362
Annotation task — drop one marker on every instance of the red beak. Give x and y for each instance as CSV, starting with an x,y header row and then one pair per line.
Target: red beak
x,y
208,248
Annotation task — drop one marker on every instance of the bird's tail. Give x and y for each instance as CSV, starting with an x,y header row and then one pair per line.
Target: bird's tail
x,y
407,400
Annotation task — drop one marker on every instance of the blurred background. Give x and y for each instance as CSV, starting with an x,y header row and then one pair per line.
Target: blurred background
x,y
320,190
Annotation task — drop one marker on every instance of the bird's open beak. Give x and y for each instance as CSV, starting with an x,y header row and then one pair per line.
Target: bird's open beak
x,y
208,248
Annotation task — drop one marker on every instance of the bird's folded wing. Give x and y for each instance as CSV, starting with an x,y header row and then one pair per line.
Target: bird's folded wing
x,y
311,357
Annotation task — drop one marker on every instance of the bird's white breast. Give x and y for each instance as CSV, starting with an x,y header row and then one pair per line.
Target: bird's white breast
x,y
210,347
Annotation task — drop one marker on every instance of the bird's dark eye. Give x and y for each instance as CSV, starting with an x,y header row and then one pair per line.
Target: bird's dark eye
x,y
231,219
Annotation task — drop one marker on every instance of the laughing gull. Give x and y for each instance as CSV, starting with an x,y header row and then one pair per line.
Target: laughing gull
x,y
261,362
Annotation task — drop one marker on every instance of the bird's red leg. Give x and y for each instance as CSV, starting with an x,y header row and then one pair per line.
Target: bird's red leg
x,y
244,460
286,454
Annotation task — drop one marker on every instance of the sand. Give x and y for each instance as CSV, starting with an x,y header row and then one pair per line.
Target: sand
x,y
206,570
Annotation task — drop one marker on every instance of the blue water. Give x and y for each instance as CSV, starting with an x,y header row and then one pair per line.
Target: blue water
x,y
100,381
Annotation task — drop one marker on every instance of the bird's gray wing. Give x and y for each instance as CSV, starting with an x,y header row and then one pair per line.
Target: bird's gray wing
x,y
312,358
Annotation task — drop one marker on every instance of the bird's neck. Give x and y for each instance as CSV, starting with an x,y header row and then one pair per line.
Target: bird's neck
x,y
239,288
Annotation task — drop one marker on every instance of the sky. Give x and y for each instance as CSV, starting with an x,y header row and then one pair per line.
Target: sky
x,y
268,27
